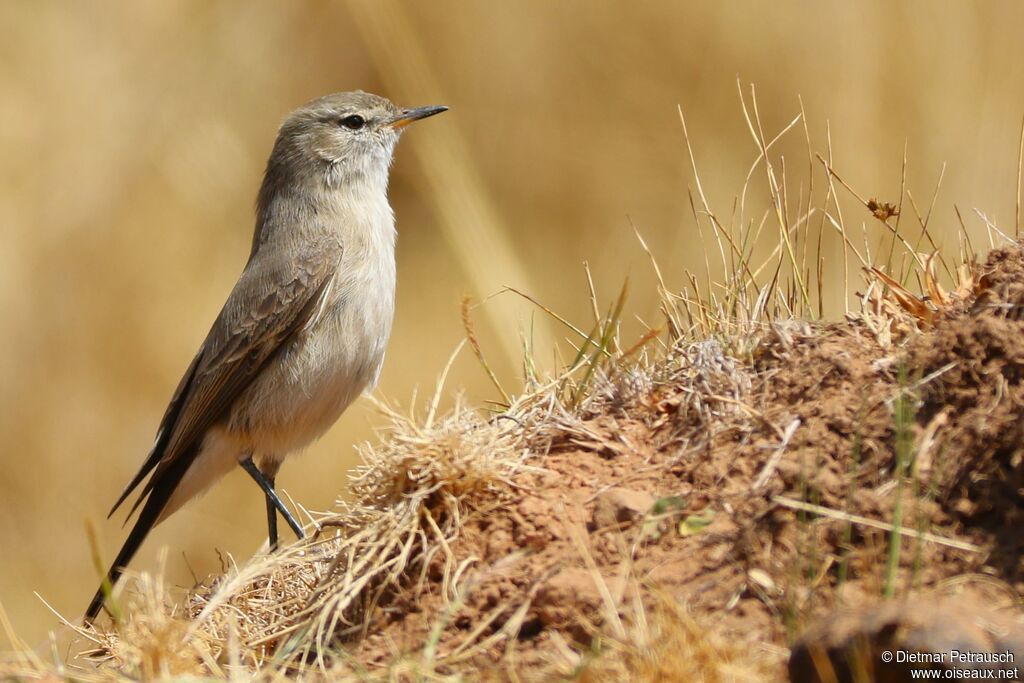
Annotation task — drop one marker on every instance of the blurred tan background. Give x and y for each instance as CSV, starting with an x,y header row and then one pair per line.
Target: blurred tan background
x,y
133,137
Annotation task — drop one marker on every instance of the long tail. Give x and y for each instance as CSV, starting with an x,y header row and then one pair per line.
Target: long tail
x,y
155,502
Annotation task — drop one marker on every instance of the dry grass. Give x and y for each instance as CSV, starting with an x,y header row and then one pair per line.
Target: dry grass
x,y
410,497
668,645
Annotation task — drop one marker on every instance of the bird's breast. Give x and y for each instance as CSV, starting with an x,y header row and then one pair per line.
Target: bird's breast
x,y
315,377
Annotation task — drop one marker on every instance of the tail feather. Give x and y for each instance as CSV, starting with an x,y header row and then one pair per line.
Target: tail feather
x,y
148,518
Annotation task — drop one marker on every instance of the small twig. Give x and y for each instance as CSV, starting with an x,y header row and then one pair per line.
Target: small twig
x,y
874,524
773,462
753,412
467,323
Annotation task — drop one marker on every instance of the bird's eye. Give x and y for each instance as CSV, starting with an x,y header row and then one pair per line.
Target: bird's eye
x,y
353,122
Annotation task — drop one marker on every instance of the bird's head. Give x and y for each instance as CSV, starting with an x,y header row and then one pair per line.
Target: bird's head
x,y
348,136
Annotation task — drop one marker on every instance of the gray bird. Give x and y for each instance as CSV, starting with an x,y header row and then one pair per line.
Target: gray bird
x,y
304,330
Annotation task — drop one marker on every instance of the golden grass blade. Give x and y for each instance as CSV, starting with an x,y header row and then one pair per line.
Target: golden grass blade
x,y
467,324
875,524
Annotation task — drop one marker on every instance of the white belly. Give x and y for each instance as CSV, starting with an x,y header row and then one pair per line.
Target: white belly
x,y
306,387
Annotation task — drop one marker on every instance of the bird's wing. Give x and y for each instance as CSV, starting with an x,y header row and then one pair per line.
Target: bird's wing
x,y
275,298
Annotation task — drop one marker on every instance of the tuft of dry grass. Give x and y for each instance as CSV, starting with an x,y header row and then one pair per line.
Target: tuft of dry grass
x,y
153,639
410,496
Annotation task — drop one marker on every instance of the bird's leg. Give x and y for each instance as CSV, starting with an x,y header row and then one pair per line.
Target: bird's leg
x,y
269,467
273,501
271,520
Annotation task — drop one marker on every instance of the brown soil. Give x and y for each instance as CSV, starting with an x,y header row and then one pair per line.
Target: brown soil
x,y
709,441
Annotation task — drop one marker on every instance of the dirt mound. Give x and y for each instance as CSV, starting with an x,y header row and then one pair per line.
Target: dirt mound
x,y
973,394
703,504
773,487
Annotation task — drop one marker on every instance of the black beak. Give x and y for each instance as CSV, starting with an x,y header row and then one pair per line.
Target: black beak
x,y
407,116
